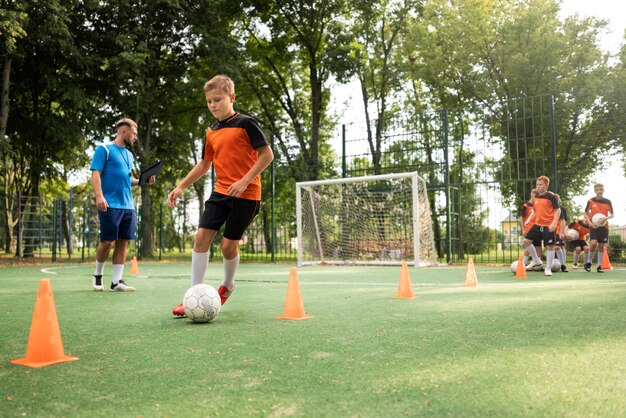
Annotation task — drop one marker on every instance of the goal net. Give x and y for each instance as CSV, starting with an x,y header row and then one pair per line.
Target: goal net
x,y
365,220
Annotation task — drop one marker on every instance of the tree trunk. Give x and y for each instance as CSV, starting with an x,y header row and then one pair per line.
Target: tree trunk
x,y
4,98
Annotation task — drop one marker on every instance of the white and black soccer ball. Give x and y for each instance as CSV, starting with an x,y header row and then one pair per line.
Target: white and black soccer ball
x,y
572,234
514,267
556,265
201,303
599,219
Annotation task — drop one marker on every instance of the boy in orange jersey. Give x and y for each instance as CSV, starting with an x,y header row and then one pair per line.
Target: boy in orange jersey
x,y
559,244
580,245
525,219
599,234
239,151
547,215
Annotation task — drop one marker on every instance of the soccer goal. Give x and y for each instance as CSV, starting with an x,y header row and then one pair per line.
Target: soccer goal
x,y
381,219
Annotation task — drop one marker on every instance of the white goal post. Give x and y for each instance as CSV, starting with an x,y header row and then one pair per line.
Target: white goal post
x,y
383,219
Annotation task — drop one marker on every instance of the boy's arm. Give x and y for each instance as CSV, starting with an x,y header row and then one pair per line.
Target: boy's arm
x,y
557,217
199,170
264,159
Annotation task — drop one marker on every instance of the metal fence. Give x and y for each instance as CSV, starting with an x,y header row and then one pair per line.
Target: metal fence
x,y
479,169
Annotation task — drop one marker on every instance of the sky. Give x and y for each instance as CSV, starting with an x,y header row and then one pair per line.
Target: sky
x,y
614,11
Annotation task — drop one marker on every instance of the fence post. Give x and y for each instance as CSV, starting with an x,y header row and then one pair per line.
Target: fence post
x,y
444,121
82,258
273,189
555,180
54,231
160,230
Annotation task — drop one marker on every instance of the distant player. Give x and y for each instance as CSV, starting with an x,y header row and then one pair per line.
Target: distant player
x,y
599,234
547,214
559,244
580,245
525,219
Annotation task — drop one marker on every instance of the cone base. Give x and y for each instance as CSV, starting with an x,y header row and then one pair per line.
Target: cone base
x,y
295,319
37,364
404,297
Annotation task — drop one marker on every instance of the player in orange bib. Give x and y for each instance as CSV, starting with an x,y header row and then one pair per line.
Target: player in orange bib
x,y
580,245
239,152
599,234
526,216
545,219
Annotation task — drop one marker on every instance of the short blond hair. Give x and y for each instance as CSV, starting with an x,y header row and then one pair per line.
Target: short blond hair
x,y
126,122
220,82
598,185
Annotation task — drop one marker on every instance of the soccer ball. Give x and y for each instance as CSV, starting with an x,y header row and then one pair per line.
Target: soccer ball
x,y
556,265
599,219
201,303
514,267
572,234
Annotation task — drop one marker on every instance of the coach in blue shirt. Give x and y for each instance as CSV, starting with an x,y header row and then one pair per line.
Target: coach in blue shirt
x,y
111,179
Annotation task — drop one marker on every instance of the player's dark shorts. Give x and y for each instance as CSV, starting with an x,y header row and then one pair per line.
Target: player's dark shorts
x,y
578,243
535,242
537,234
237,213
600,234
117,224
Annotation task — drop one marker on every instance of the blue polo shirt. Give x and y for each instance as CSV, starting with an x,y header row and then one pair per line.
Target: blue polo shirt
x,y
115,173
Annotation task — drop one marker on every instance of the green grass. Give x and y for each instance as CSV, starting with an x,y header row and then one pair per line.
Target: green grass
x,y
510,347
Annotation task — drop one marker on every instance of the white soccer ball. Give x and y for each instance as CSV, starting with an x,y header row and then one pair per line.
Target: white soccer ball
x,y
556,265
514,267
572,234
599,219
201,303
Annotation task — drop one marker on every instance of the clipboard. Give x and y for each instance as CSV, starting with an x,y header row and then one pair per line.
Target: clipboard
x,y
153,170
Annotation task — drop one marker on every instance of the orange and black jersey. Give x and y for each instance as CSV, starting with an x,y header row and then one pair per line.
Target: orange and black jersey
x,y
562,216
232,146
525,213
545,206
581,227
599,205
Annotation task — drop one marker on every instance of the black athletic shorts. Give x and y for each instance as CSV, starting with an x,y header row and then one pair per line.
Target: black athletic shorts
x,y
578,243
541,233
237,213
600,234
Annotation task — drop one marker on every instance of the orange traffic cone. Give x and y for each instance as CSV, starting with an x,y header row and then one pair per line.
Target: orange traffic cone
x,y
134,266
294,307
606,264
45,346
520,272
470,277
405,291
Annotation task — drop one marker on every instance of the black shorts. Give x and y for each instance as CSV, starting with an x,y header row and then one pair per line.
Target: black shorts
x,y
600,234
237,213
541,233
578,243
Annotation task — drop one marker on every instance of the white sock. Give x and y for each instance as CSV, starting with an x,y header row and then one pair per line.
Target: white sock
x,y
532,251
99,268
564,256
575,258
600,256
549,258
525,259
560,256
230,268
588,257
118,269
199,263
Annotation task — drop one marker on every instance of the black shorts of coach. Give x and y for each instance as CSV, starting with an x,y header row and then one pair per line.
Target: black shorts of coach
x,y
541,233
599,234
235,212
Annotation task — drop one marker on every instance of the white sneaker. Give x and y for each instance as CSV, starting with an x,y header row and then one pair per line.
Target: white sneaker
x,y
548,272
575,266
96,283
122,287
533,264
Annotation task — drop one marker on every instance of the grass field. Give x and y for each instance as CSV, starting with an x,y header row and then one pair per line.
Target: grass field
x,y
509,347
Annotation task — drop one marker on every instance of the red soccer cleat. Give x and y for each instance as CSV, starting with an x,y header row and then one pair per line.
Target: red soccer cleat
x,y
178,310
224,293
